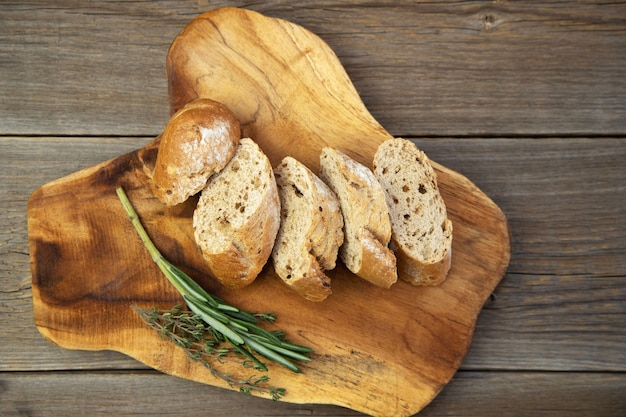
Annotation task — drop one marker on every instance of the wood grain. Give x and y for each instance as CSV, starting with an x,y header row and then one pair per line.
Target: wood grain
x,y
526,305
478,68
23,347
297,99
58,394
85,278
503,339
547,72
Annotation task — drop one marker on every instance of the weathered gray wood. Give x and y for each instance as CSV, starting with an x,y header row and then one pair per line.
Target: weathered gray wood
x,y
151,394
554,71
564,198
560,306
440,68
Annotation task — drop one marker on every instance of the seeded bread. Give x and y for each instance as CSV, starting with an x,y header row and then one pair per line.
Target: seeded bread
x,y
310,233
367,225
237,217
197,142
422,232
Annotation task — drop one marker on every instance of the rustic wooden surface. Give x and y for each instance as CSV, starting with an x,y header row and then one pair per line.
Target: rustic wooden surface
x,y
525,99
384,352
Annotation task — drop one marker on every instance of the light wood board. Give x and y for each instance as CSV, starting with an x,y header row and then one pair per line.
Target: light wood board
x,y
382,352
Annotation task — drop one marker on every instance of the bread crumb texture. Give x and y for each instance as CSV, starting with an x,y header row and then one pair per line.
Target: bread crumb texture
x,y
421,228
367,224
310,232
238,214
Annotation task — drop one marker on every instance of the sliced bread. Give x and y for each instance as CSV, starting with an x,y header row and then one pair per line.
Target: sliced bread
x,y
422,232
367,225
237,217
197,142
310,233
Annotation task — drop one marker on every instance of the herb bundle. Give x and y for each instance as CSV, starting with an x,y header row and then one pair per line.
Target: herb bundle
x,y
202,344
212,322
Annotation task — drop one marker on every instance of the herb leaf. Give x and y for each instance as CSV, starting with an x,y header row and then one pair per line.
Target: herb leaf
x,y
188,331
239,328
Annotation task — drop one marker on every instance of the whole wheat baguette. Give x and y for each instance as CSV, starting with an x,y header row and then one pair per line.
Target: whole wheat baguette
x,y
310,233
422,232
237,217
367,225
197,142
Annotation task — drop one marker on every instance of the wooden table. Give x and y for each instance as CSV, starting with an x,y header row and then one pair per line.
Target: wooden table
x,y
528,100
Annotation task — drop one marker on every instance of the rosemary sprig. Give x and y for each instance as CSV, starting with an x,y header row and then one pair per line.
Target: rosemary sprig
x,y
201,343
239,328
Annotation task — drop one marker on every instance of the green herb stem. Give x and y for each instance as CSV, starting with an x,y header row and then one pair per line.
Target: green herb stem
x,y
237,327
200,343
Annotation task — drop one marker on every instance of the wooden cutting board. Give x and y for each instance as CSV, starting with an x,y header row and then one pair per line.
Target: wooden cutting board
x,y
381,352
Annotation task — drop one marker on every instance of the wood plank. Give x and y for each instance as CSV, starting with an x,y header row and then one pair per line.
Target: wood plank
x,y
425,68
566,276
541,317
148,393
565,198
531,394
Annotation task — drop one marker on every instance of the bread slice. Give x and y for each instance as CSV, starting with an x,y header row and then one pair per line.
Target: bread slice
x,y
197,142
237,217
367,225
422,232
310,233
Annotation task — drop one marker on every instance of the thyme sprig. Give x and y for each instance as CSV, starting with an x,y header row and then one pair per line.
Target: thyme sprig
x,y
202,344
236,327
